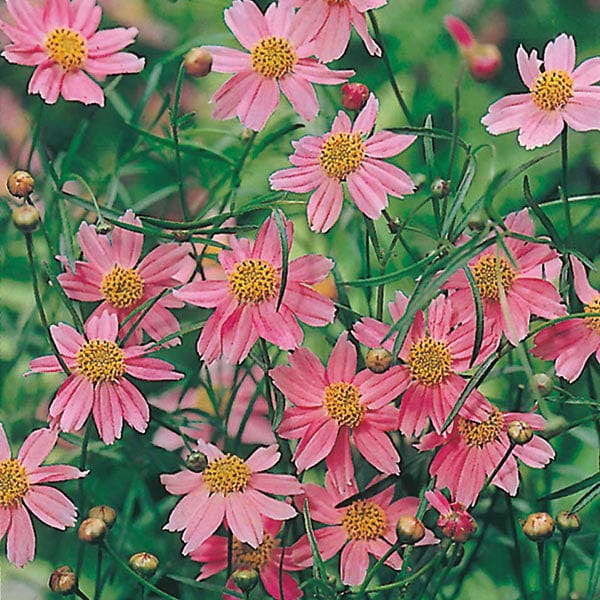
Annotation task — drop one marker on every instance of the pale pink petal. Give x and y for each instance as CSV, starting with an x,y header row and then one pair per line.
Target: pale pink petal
x,y
27,16
68,340
325,204
359,20
107,412
96,248
588,72
205,523
5,453
229,96
115,64
20,542
4,521
541,129
269,507
581,111
342,361
79,87
365,121
317,72
333,36
341,123
207,294
238,334
85,16
560,54
510,113
316,443
47,81
377,448
56,13
186,511
181,483
277,326
385,144
309,269
228,60
309,306
367,193
126,244
246,22
109,41
51,506
104,326
276,484
244,519
263,458
393,179
460,32
54,473
301,95
134,406
537,453
297,179
340,469
541,296
36,447
354,562
585,292
529,66
378,390
151,369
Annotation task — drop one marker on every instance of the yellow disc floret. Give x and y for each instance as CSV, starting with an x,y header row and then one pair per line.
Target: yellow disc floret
x,y
552,90
122,287
364,520
67,48
100,361
14,483
253,280
342,403
342,154
489,272
246,557
481,434
593,307
273,57
226,475
430,361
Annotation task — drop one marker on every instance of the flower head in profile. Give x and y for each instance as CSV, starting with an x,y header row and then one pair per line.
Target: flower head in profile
x,y
247,304
229,488
455,521
560,94
61,40
97,383
348,153
23,491
278,61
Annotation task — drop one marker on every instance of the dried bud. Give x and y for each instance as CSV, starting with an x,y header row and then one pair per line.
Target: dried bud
x,y
440,188
182,235
20,184
245,579
354,95
568,522
196,462
453,555
543,383
378,360
92,531
104,512
538,526
104,228
458,525
410,529
26,218
197,62
144,564
519,432
63,581
477,221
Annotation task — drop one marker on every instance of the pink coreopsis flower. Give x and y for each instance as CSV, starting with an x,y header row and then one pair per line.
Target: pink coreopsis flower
x,y
278,62
246,302
518,278
114,275
472,450
97,382
229,488
455,521
61,40
335,403
347,153
570,343
265,558
434,352
560,94
22,489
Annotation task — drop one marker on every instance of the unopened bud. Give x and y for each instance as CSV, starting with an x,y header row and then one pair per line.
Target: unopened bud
x,y
26,218
182,235
543,383
440,188
453,555
144,564
196,462
477,221
458,525
519,432
104,512
410,529
20,184
419,179
538,526
378,360
92,531
354,95
63,581
484,61
245,579
197,62
568,522
104,228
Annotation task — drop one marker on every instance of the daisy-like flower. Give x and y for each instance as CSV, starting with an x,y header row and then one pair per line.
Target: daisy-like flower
x,y
455,521
278,62
97,382
560,94
229,488
22,489
434,352
347,153
364,527
265,558
471,451
570,343
246,301
61,40
331,405
519,276
114,275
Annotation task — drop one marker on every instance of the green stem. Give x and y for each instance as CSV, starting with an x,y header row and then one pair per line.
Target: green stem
x,y
175,132
439,584
543,571
455,121
81,595
81,488
565,187
506,456
236,180
373,570
98,584
558,566
516,555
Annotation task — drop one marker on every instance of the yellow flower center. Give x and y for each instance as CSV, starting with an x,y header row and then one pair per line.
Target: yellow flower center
x,y
481,434
122,287
273,57
593,307
66,48
14,483
246,557
253,281
364,520
488,272
226,475
342,154
100,360
430,361
342,403
551,90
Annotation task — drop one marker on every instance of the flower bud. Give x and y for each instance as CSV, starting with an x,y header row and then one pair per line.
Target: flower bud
x,y
92,531
453,555
63,581
197,62
104,228
484,61
354,95
144,564
196,462
105,513
20,184
543,383
568,522
245,579
440,188
457,525
410,529
26,218
538,526
378,360
477,221
519,432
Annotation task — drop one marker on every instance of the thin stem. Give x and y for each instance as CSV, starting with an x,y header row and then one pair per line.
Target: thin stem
x,y
516,555
236,179
81,488
506,456
373,570
81,595
565,187
543,571
98,584
440,583
175,132
558,566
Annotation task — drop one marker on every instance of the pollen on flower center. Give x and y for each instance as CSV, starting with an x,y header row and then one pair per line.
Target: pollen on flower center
x,y
67,48
226,475
593,307
253,280
551,90
100,360
342,403
490,270
14,483
246,557
122,287
342,154
364,520
430,361
481,434
273,57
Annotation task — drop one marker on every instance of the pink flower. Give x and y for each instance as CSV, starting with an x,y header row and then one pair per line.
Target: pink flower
x,y
113,276
278,61
266,559
557,95
61,40
246,301
231,488
22,489
434,352
364,527
331,405
471,451
570,343
456,523
347,153
520,275
97,383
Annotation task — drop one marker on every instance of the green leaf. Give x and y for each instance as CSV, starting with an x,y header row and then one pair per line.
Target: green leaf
x,y
285,254
586,498
388,277
478,315
202,585
318,564
572,489
539,213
